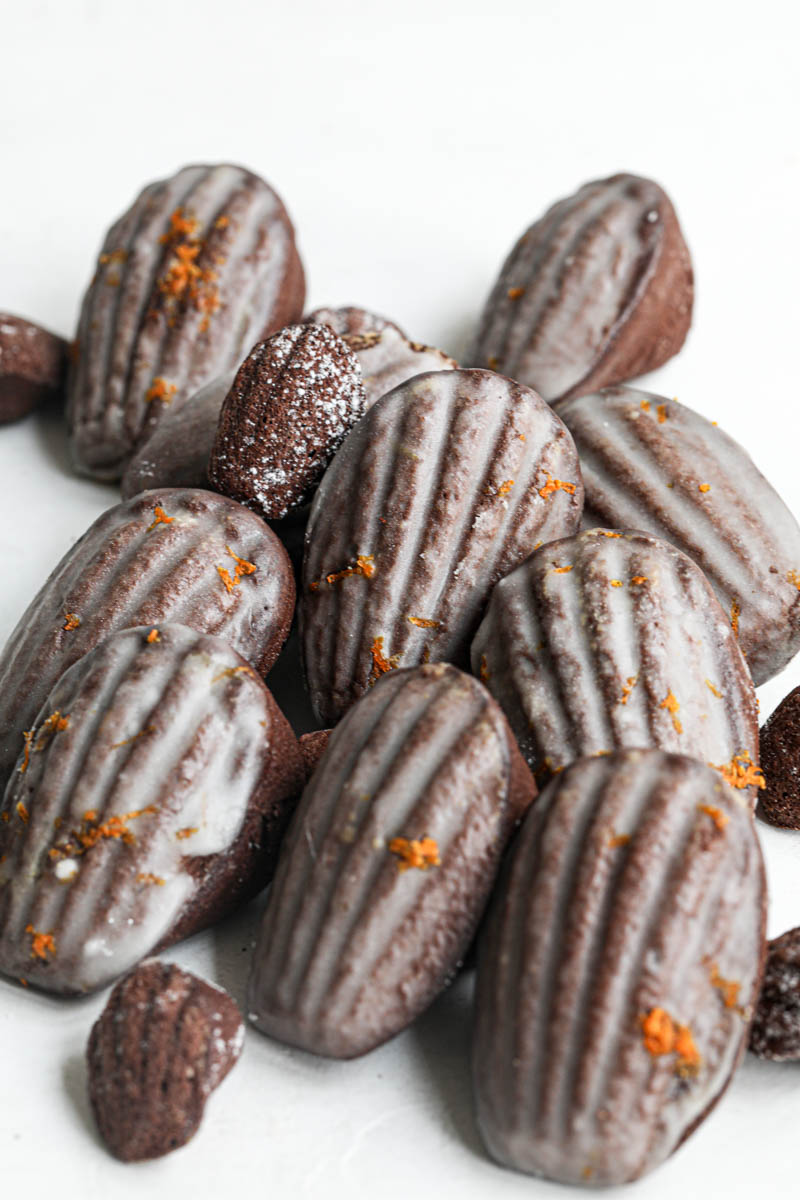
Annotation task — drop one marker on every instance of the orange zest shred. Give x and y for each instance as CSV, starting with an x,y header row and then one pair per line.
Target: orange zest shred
x,y
364,565
715,691
188,832
153,636
639,579
185,281
222,222
735,613
160,518
645,406
493,362
719,818
160,390
615,582
555,485
484,669
515,293
54,724
71,621
26,756
505,487
147,877
91,831
630,684
562,570
728,988
381,664
424,622
662,1035
22,812
421,854
661,413
704,487
671,705
43,944
609,533
741,771
793,577
179,226
243,567
618,839
128,741
230,672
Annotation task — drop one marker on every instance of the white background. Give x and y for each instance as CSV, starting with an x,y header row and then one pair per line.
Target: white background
x,y
412,143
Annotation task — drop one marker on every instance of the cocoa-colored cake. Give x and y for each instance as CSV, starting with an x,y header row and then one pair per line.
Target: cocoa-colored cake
x,y
33,365
775,1032
779,802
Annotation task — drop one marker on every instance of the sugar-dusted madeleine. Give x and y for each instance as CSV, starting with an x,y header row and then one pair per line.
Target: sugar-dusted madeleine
x,y
598,291
148,800
199,267
293,401
441,489
387,357
168,555
388,863
611,639
653,464
775,1032
618,968
164,1041
177,451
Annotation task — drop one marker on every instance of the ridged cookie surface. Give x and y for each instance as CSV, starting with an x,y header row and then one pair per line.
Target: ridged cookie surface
x,y
596,292
182,555
443,487
612,639
618,969
202,265
162,1044
388,863
652,464
149,800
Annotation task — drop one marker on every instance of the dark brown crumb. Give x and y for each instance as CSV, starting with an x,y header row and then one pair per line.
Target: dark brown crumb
x,y
779,802
775,1032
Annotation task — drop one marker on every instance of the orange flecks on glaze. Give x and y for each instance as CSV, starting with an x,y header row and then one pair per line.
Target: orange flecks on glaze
x,y
188,832
562,570
715,691
128,741
662,1035
618,839
26,754
184,280
159,518
424,622
630,684
230,672
671,705
793,577
735,613
381,664
728,988
364,565
147,877
615,582
608,533
179,226
661,413
92,830
152,637
719,818
555,485
54,724
421,854
71,621
638,580
160,390
704,487
493,362
505,487
222,222
43,944
741,771
645,406
484,669
22,812
243,567
515,293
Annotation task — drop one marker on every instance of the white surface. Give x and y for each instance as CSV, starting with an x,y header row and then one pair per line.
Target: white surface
x,y
412,145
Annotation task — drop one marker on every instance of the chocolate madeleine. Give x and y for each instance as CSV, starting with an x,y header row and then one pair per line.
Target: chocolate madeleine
x,y
618,969
652,464
148,800
171,555
775,1032
612,639
162,1044
293,400
386,355
596,292
388,863
33,366
779,802
202,265
441,489
176,453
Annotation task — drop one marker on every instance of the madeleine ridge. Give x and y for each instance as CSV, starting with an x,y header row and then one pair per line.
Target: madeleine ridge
x,y
618,968
388,863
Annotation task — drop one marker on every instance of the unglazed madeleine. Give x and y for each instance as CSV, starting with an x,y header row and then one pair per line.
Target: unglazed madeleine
x,y
386,355
202,265
177,555
177,451
618,969
162,1044
388,863
596,292
652,464
149,800
612,639
443,487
